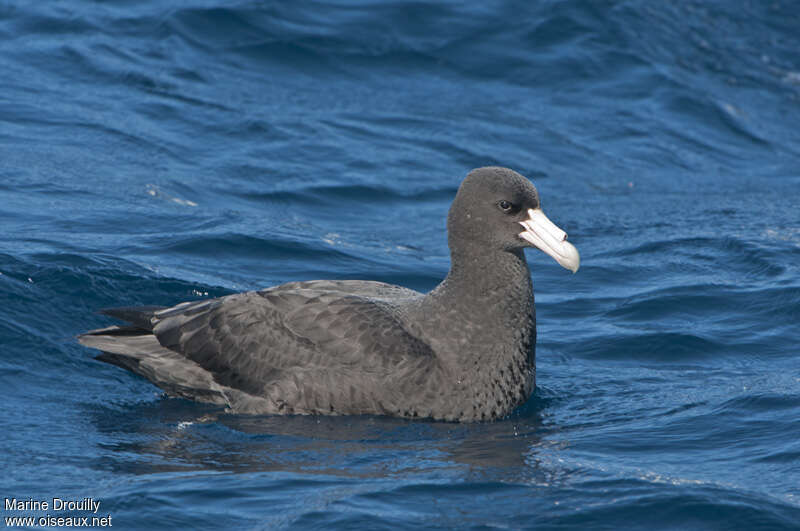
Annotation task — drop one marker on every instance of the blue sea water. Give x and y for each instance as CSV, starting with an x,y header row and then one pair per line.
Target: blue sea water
x,y
153,152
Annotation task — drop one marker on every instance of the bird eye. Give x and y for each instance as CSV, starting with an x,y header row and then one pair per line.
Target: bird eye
x,y
505,206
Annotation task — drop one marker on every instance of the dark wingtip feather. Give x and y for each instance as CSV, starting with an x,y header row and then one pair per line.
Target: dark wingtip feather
x,y
138,316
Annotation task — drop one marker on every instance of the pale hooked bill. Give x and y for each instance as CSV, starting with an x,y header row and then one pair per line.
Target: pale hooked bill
x,y
545,235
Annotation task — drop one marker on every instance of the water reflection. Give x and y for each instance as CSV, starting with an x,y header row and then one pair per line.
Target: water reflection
x,y
175,435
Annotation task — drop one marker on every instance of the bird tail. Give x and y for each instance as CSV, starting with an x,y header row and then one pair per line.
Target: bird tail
x,y
135,348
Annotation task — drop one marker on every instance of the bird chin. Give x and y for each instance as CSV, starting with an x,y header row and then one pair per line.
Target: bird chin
x,y
545,235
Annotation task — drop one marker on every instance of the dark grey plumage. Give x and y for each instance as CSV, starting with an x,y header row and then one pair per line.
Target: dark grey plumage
x,y
464,351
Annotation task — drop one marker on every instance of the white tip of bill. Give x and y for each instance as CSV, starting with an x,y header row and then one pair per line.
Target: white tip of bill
x,y
544,234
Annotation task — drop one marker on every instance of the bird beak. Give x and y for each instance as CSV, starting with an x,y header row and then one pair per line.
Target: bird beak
x,y
544,234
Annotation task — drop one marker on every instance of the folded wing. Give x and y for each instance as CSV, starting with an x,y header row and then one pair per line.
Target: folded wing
x,y
300,347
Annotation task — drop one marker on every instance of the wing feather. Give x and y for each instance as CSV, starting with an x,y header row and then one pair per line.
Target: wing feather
x,y
304,346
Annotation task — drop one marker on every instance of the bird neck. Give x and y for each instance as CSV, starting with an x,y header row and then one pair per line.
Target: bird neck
x,y
487,283
480,322
485,301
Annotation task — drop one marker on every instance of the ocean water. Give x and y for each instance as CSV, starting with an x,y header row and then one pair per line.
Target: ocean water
x,y
153,152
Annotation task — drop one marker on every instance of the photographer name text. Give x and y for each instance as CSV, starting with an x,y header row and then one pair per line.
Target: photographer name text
x,y
88,505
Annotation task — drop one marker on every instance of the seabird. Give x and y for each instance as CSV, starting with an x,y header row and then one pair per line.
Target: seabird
x,y
462,352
